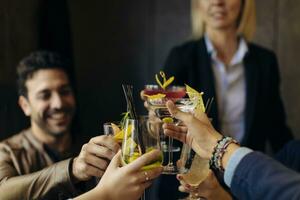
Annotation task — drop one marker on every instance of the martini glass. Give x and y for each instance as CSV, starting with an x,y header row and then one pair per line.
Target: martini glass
x,y
175,94
172,92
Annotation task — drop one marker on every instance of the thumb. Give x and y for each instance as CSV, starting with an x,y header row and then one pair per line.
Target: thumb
x,y
142,95
178,114
187,118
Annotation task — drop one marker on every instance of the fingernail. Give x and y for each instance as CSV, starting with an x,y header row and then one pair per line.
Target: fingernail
x,y
179,177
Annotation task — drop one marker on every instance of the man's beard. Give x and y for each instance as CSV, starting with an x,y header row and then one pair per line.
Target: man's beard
x,y
54,130
48,129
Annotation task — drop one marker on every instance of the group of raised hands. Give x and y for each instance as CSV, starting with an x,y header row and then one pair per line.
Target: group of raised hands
x,y
129,182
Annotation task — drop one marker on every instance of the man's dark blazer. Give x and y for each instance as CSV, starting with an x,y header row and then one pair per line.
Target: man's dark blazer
x,y
289,155
265,118
190,63
259,177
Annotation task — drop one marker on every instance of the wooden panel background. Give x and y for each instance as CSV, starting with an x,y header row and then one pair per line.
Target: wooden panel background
x,y
288,39
279,30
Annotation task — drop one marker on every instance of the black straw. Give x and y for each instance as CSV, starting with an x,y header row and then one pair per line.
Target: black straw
x,y
208,105
127,89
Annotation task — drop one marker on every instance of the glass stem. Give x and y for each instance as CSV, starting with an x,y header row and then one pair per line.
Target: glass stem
x,y
143,197
170,151
194,196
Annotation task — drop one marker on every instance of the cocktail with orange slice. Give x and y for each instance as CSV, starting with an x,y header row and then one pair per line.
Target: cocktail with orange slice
x,y
138,139
116,128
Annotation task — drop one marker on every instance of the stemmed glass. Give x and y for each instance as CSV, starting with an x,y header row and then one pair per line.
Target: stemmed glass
x,y
193,169
176,94
140,137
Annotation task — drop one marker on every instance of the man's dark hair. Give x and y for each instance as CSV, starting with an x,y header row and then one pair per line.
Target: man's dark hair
x,y
36,61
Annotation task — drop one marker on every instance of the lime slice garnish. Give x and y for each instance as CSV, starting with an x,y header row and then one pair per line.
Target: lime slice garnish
x,y
168,120
152,166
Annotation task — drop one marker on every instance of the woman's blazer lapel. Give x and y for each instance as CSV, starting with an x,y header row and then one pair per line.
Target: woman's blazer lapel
x,y
251,75
206,80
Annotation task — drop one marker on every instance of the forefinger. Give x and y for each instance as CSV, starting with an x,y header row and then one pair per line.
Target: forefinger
x,y
175,112
106,141
174,133
142,94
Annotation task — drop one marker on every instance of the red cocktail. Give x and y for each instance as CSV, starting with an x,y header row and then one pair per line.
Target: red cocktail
x,y
172,92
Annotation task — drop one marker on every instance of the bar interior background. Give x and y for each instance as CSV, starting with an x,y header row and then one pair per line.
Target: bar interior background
x,y
114,42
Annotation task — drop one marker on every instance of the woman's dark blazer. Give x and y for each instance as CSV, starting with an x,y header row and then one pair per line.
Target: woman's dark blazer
x,y
265,118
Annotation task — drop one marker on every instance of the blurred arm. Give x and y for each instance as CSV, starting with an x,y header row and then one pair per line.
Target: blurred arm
x,y
47,183
256,176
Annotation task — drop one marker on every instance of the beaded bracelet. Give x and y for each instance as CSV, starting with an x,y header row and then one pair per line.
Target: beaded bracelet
x,y
213,158
219,151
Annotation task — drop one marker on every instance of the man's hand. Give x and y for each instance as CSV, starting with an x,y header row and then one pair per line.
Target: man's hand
x,y
94,157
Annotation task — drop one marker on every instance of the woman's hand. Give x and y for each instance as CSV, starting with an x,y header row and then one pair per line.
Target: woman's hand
x,y
209,188
199,134
126,183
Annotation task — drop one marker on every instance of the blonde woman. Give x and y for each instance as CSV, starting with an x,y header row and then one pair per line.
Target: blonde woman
x,y
243,77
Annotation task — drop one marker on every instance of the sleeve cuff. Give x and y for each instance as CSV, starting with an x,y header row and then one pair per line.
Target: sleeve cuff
x,y
64,176
233,162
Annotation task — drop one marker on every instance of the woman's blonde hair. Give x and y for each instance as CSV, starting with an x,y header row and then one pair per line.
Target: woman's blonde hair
x,y
246,22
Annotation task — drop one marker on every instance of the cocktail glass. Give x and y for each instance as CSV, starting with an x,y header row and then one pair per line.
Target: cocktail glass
x,y
109,129
175,94
140,138
193,170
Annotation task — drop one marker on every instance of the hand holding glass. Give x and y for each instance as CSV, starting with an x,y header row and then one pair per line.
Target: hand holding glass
x,y
140,138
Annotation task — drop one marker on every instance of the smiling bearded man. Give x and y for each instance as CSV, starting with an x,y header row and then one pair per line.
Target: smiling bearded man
x,y
37,163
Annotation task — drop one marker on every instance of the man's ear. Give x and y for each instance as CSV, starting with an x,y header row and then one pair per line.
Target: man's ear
x,y
24,104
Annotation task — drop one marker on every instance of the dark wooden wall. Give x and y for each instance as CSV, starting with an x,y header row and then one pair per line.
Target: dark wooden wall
x,y
26,26
279,30
119,42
